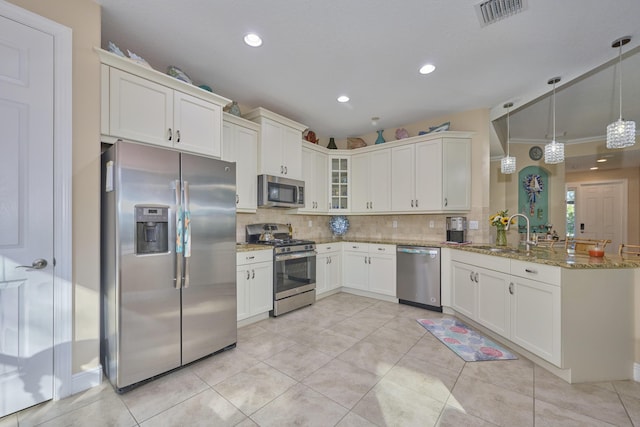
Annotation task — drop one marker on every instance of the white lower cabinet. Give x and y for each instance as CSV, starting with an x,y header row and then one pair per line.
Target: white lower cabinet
x,y
370,267
521,309
328,267
535,318
254,275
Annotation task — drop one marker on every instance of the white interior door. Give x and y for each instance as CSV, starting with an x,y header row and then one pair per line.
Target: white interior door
x,y
26,216
601,212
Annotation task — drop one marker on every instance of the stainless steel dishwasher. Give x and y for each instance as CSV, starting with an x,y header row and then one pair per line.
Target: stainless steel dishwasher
x,y
418,276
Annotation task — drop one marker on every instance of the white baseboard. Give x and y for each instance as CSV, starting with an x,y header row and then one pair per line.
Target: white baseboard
x,y
86,379
636,371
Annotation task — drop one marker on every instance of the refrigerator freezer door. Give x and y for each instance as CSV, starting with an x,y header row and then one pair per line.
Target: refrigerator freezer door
x,y
209,301
148,314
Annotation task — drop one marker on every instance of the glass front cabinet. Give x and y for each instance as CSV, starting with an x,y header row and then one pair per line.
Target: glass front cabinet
x,y
340,178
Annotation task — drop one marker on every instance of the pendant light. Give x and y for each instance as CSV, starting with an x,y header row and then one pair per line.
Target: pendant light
x,y
508,163
554,151
621,133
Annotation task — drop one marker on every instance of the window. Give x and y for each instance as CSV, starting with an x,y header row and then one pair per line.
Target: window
x,y
571,211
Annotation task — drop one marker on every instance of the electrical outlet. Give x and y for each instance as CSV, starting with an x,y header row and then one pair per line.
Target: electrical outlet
x,y
394,224
432,224
310,223
473,225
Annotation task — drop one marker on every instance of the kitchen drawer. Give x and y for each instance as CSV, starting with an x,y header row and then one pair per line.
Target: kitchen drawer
x,y
381,249
325,248
356,247
250,257
534,271
490,262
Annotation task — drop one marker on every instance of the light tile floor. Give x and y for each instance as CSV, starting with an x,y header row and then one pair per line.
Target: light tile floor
x,y
346,361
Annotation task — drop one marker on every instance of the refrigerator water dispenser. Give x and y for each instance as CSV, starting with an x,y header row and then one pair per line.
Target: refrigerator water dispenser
x,y
152,229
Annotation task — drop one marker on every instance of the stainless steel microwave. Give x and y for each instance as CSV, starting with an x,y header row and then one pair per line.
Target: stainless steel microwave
x,y
278,192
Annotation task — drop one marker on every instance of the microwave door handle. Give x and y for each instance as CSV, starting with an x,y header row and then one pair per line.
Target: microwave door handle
x,y
187,235
179,242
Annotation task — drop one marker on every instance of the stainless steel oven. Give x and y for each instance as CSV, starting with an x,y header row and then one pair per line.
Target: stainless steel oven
x,y
294,266
294,277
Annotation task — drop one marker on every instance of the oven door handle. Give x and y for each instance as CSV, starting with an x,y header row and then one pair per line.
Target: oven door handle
x,y
295,255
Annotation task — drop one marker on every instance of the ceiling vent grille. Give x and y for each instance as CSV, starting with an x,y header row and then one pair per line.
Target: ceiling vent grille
x,y
491,11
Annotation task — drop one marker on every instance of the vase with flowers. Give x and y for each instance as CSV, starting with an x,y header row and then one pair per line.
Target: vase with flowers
x,y
500,220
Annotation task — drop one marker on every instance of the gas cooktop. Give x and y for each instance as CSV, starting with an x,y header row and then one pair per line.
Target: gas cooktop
x,y
276,235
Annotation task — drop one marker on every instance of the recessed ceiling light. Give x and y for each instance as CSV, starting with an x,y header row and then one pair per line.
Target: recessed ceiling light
x,y
427,69
343,98
253,40
594,168
601,160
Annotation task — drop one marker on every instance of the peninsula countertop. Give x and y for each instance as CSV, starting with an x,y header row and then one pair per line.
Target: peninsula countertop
x,y
558,257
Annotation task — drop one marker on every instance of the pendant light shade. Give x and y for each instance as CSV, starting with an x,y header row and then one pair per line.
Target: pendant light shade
x,y
554,151
508,163
621,133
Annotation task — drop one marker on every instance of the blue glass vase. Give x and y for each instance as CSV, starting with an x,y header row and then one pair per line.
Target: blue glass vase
x,y
380,139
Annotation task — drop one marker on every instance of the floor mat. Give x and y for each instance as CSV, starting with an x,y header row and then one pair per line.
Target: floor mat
x,y
465,342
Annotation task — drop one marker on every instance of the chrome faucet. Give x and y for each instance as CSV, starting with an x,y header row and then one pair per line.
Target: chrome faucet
x,y
528,242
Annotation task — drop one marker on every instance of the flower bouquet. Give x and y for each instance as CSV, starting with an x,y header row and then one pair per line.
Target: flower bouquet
x,y
500,220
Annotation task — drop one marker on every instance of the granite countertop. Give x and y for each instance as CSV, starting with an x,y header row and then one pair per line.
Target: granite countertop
x,y
558,257
248,247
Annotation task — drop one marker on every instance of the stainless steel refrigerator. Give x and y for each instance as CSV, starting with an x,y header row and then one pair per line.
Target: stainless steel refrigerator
x,y
168,280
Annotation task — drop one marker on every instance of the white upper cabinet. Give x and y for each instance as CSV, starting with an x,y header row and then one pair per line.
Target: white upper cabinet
x,y
456,174
314,174
432,175
144,105
371,182
240,145
280,144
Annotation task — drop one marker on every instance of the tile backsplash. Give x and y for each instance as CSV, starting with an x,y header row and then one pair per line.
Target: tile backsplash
x,y
409,227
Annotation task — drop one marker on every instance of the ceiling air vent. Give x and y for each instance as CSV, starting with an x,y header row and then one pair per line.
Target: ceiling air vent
x,y
491,11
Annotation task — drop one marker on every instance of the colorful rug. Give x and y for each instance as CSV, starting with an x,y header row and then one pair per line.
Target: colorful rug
x,y
466,343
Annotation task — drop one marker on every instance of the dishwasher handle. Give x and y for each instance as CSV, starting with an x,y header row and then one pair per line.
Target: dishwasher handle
x,y
418,250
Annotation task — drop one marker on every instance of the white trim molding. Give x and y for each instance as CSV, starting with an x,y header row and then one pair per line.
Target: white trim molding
x,y
636,371
86,379
62,209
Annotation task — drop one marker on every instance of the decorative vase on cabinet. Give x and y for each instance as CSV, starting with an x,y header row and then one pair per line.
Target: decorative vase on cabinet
x,y
380,139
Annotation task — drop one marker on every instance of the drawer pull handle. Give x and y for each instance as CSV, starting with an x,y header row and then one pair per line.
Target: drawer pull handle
x,y
250,257
511,288
528,270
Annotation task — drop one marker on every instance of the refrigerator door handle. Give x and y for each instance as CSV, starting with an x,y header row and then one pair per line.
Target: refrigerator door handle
x,y
187,235
179,247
